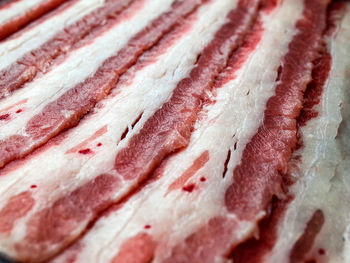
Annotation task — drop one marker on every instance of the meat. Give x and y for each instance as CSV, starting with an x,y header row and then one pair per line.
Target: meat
x,y
176,131
322,175
41,59
196,206
14,15
110,127
76,99
19,50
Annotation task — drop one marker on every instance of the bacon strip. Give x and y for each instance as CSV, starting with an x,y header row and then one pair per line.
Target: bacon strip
x,y
57,49
97,156
260,174
321,165
19,14
179,212
188,249
66,111
169,129
44,29
248,126
62,107
268,227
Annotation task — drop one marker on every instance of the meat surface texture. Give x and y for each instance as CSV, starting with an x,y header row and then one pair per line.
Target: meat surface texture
x,y
174,131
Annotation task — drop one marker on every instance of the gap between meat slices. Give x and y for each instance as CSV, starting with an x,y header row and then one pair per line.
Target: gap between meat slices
x,y
18,14
59,173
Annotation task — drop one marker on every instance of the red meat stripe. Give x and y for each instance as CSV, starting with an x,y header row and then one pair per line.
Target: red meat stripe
x,y
56,49
84,96
265,158
260,176
170,128
20,21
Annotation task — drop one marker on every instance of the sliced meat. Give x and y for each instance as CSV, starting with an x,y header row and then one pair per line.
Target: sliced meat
x,y
16,47
321,167
15,15
204,131
80,33
189,222
63,103
89,150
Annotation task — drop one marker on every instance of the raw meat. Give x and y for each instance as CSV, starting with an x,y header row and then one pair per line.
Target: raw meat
x,y
175,131
16,14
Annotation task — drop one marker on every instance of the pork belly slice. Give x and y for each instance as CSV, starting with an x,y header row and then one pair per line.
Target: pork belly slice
x,y
13,48
315,224
180,214
53,104
79,165
18,14
261,174
55,50
170,128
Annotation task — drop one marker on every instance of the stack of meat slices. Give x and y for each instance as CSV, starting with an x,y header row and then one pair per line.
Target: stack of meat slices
x,y
174,131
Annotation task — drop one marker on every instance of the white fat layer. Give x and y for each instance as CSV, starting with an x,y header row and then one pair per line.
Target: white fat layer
x,y
177,213
17,9
80,64
323,175
57,173
13,49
